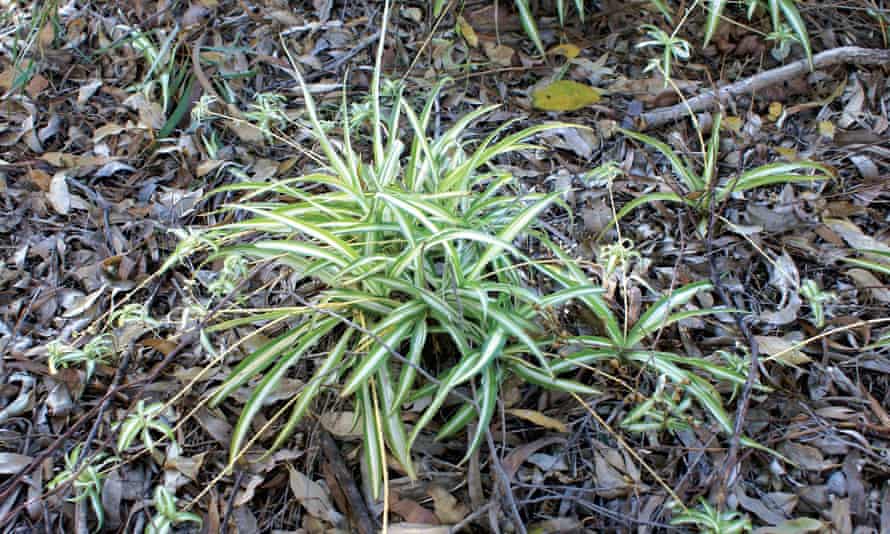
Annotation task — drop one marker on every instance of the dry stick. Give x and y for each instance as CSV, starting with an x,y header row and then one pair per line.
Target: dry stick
x,y
852,55
115,382
357,510
731,463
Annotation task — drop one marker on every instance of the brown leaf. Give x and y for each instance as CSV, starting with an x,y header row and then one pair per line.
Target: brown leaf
x,y
311,495
448,509
539,419
58,195
411,511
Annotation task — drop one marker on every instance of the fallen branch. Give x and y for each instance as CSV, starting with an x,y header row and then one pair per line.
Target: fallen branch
x,y
850,55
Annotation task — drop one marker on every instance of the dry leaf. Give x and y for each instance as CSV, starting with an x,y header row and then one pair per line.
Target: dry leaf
x,y
467,31
775,111
58,195
782,350
414,528
500,54
565,95
539,419
448,509
567,50
311,495
341,424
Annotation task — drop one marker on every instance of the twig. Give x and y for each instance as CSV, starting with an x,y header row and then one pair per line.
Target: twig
x,y
230,503
731,463
356,510
115,383
502,475
851,55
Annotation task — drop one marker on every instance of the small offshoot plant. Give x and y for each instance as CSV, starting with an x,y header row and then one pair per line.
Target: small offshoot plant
x,y
784,16
695,183
86,479
421,290
167,515
710,520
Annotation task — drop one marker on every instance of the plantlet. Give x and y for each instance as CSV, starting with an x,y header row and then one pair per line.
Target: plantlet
x,y
97,350
784,38
817,298
140,424
626,345
87,482
164,74
673,48
167,515
695,186
780,11
712,521
266,112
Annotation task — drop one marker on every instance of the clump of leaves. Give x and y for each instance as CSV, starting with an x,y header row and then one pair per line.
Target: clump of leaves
x,y
672,48
783,13
412,248
696,182
86,480
712,521
167,515
626,344
141,423
97,350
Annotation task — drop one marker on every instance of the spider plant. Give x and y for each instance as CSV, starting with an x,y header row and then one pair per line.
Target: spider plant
x,y
141,423
167,516
710,520
780,11
87,480
672,47
694,186
411,247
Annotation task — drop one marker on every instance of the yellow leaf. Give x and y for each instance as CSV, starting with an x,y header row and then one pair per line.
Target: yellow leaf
x,y
775,111
567,50
467,31
565,95
733,123
788,153
539,419
826,129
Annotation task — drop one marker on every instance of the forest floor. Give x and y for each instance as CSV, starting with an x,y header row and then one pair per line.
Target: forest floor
x,y
101,159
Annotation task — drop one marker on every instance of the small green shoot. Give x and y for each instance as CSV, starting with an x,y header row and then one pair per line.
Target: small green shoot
x,y
87,483
167,515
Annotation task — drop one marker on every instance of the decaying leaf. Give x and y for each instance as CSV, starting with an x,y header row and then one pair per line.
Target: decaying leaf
x,y
539,419
781,350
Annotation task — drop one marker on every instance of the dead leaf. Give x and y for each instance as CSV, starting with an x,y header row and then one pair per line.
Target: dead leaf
x,y
311,495
500,54
448,509
805,456
341,424
413,528
58,195
467,32
567,50
801,525
867,281
781,350
539,419
12,463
